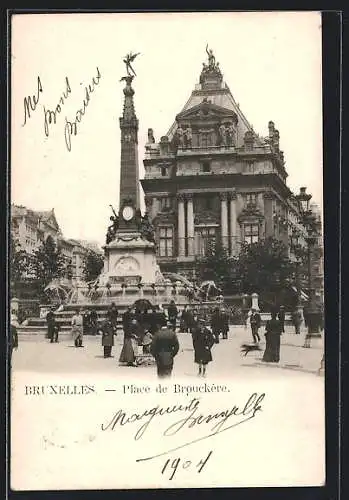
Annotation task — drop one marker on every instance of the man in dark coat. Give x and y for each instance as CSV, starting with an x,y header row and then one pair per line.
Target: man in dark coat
x,y
112,315
86,322
13,339
297,321
156,320
50,320
186,320
255,322
56,330
190,319
172,313
225,323
216,324
53,327
107,332
93,322
161,319
164,348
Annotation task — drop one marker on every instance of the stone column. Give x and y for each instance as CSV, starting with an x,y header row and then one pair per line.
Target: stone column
x,y
268,214
190,222
181,226
233,225
224,218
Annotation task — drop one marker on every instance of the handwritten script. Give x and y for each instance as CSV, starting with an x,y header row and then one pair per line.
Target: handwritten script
x,y
51,114
220,421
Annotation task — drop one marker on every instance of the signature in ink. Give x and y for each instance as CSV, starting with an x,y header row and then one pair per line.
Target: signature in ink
x,y
192,419
50,116
71,127
31,102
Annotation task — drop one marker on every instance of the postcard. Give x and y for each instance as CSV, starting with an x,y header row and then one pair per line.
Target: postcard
x,y
166,261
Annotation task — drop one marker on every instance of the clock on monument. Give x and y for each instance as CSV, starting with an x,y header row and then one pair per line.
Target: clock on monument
x,y
128,212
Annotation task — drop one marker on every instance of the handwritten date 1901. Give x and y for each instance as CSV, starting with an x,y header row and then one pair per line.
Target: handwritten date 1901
x,y
172,465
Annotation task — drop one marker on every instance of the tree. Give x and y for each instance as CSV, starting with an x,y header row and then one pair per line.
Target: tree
x,y
93,266
18,264
48,263
216,265
264,268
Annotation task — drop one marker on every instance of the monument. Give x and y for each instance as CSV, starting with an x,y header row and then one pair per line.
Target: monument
x,y
130,246
130,269
130,272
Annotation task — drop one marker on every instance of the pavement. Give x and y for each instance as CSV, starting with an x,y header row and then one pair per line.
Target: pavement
x,y
40,356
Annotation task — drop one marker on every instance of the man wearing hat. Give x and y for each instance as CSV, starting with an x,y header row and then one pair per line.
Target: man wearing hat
x,y
50,320
216,324
107,331
77,328
164,347
13,337
255,322
172,313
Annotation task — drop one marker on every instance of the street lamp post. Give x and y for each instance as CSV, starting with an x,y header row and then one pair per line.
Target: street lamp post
x,y
308,220
297,251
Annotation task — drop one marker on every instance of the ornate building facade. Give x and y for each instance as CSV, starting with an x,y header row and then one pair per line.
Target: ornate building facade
x,y
212,179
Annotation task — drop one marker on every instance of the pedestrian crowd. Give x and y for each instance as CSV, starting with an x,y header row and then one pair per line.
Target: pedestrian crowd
x,y
149,333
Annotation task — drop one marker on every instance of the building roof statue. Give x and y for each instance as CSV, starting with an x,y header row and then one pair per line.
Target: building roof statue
x,y
211,58
210,73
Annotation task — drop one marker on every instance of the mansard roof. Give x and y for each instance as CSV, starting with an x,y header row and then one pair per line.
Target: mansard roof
x,y
220,97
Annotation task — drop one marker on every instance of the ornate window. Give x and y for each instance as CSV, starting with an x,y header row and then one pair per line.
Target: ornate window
x,y
249,168
251,233
205,139
206,166
165,204
205,239
166,241
251,199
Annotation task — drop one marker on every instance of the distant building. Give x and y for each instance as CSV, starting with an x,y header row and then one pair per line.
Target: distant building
x,y
318,257
31,228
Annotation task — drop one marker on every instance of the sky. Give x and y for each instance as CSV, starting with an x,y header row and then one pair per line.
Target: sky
x,y
271,62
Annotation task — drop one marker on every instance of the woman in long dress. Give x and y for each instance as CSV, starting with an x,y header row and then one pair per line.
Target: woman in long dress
x,y
130,348
203,340
273,330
